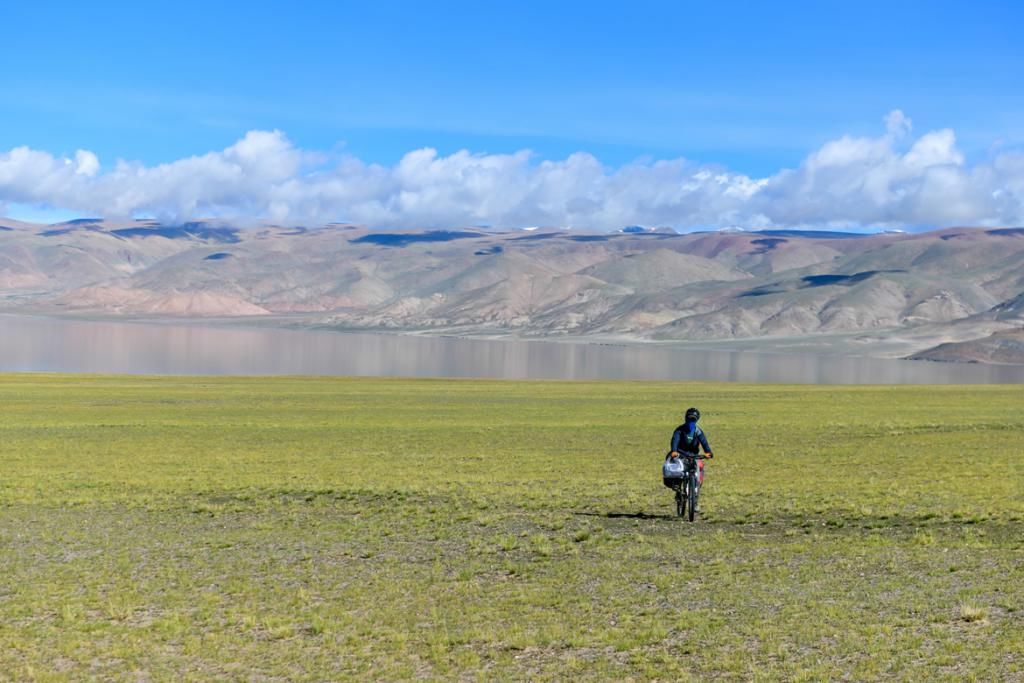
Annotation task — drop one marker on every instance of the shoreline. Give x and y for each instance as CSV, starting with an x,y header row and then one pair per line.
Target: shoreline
x,y
839,345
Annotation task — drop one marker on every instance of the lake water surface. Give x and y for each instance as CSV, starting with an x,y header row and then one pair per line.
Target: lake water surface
x,y
37,344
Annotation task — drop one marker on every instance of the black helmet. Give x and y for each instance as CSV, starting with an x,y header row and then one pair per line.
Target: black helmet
x,y
692,414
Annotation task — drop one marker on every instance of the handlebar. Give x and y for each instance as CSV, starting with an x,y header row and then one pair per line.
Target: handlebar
x,y
695,456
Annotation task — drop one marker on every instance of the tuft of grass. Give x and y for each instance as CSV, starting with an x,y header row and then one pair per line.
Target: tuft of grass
x,y
972,613
581,536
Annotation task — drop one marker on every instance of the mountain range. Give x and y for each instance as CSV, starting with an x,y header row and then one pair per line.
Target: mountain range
x,y
953,294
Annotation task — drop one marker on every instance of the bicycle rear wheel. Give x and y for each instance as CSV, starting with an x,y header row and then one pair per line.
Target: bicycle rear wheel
x,y
691,496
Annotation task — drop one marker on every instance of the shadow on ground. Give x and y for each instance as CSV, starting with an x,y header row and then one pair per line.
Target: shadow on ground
x,y
625,515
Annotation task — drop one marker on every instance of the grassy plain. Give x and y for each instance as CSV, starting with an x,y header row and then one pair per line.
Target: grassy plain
x,y
325,529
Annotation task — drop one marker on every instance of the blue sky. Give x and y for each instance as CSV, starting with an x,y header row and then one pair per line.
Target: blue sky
x,y
753,87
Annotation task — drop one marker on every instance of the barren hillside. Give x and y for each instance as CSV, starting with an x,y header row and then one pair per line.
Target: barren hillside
x,y
953,287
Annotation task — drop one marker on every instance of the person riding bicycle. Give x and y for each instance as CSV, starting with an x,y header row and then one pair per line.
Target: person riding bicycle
x,y
689,438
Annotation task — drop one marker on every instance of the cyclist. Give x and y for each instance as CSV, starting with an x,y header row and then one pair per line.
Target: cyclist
x,y
689,438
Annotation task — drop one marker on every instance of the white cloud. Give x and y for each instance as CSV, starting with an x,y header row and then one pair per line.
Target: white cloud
x,y
86,163
889,180
897,124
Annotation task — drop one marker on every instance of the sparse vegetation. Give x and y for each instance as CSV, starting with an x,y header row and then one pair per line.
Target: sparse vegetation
x,y
325,529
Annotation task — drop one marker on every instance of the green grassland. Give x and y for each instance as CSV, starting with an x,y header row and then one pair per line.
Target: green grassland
x,y
326,529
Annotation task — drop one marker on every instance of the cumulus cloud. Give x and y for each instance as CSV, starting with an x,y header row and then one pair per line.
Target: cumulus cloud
x,y
86,163
889,180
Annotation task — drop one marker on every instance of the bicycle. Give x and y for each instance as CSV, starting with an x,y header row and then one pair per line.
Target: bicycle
x,y
680,474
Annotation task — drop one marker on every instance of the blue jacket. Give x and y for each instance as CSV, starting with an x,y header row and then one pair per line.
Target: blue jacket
x,y
681,443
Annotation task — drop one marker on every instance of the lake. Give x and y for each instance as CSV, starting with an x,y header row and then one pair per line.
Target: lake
x,y
39,344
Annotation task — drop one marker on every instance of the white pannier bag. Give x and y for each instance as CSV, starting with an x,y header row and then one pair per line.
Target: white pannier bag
x,y
672,469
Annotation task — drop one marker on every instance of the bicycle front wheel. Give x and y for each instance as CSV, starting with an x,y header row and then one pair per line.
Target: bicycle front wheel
x,y
691,497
